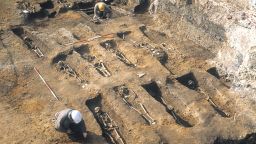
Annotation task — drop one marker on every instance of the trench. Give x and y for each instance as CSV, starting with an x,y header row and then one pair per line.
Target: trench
x,y
84,51
109,44
61,66
61,56
47,5
129,98
220,112
158,38
142,7
102,69
48,10
42,13
213,71
154,91
31,17
19,31
189,80
249,139
86,7
94,102
31,44
95,105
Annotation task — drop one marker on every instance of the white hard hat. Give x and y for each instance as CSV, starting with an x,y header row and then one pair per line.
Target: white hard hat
x,y
25,11
76,116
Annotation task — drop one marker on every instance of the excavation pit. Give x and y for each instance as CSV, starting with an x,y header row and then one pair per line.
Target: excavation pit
x,y
160,55
220,112
61,56
196,35
40,15
102,69
83,49
86,7
249,139
153,89
155,92
142,7
30,43
109,44
123,90
47,5
19,31
88,58
108,127
129,98
123,34
213,71
94,102
189,81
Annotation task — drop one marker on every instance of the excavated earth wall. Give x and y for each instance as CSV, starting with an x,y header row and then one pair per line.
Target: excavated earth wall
x,y
177,74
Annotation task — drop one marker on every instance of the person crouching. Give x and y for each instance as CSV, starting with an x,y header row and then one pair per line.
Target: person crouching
x,y
102,11
70,121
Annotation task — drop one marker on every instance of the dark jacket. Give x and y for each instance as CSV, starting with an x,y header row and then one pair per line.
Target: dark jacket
x,y
65,124
102,14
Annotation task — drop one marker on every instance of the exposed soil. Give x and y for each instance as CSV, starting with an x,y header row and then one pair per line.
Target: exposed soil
x,y
159,63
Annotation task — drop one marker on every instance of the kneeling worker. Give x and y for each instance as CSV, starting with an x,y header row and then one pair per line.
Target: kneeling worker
x,y
101,10
71,122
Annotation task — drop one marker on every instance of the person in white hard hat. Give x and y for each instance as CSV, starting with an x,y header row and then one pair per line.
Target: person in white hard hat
x,y
71,122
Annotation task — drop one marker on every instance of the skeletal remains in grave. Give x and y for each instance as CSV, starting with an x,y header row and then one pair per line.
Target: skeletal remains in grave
x,y
32,46
214,105
111,45
99,66
62,66
110,128
130,99
169,108
158,52
88,57
102,69
122,58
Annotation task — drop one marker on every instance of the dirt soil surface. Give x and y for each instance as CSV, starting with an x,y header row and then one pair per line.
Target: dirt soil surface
x,y
151,77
